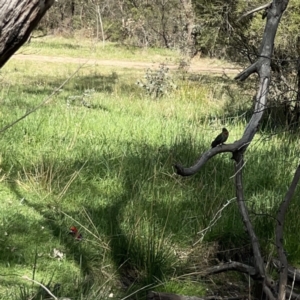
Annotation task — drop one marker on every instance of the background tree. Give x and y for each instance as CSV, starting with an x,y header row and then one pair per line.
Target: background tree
x,y
17,20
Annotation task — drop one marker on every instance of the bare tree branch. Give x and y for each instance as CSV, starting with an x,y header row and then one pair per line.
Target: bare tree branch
x,y
45,288
231,266
46,100
239,145
268,292
283,270
253,11
258,260
263,67
247,72
213,221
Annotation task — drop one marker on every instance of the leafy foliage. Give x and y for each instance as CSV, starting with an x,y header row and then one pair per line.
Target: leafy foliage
x,y
157,82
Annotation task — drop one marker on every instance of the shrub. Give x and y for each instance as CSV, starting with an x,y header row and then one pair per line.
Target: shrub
x,y
157,82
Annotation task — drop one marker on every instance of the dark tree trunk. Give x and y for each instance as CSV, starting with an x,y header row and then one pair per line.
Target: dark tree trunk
x,y
73,8
190,18
17,20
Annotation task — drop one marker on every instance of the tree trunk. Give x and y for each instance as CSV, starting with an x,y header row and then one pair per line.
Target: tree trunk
x,y
17,20
190,18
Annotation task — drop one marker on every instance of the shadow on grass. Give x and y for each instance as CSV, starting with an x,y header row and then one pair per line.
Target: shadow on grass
x,y
137,257
153,209
77,87
80,83
60,45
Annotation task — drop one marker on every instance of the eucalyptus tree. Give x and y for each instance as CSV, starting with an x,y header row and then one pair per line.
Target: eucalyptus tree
x,y
17,20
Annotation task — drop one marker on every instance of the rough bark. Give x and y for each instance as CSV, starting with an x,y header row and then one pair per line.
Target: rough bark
x,y
231,266
253,11
17,20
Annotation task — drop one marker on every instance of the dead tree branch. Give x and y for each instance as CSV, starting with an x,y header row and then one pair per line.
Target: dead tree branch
x,y
231,266
283,270
259,263
46,100
213,221
263,68
253,11
268,284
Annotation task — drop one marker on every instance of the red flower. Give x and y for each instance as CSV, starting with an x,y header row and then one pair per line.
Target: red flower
x,y
74,232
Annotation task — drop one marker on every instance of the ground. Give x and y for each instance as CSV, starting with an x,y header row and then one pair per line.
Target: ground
x,y
197,65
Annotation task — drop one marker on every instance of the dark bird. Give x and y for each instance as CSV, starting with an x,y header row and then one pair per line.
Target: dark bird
x,y
221,138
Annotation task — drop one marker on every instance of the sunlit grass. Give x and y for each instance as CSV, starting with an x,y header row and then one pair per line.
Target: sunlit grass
x,y
108,169
89,48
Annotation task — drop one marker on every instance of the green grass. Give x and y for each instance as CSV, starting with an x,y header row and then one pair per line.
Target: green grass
x,y
108,170
88,48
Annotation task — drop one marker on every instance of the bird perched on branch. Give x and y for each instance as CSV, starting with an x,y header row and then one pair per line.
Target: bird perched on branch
x,y
221,138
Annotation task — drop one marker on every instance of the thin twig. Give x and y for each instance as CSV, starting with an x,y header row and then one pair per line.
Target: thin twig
x,y
293,285
43,102
36,282
233,176
213,221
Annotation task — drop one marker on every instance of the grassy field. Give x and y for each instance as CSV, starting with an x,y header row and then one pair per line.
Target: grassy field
x,y
88,48
108,170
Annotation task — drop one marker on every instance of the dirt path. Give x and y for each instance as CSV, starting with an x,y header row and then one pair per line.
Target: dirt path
x,y
196,66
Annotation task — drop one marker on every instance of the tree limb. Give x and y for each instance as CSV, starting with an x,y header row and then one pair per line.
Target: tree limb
x,y
291,294
263,67
239,145
253,11
46,100
45,288
231,266
258,260
283,270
